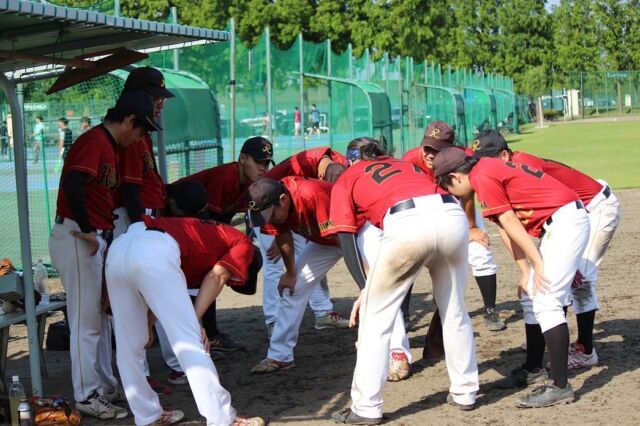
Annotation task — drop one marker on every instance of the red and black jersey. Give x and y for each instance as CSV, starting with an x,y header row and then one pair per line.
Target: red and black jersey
x,y
204,244
305,163
366,190
137,165
414,156
310,210
533,195
226,194
93,153
585,186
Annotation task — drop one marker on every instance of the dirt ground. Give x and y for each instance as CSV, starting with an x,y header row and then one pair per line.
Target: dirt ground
x,y
325,359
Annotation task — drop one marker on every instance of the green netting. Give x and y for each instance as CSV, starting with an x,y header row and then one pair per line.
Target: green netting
x,y
606,92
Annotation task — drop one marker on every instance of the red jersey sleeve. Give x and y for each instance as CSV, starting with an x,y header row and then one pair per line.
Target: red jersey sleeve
x,y
273,229
492,195
238,258
342,211
130,163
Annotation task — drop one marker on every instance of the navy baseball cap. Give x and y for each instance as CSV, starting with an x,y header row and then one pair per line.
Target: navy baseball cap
x,y
448,160
140,104
262,197
488,144
438,135
148,79
259,148
190,197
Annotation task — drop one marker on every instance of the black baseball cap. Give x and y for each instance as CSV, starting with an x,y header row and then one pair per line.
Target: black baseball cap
x,y
140,104
438,135
488,144
259,148
190,197
262,197
448,160
148,79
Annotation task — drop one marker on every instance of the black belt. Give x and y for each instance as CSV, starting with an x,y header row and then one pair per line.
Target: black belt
x,y
409,204
579,206
152,228
59,219
606,192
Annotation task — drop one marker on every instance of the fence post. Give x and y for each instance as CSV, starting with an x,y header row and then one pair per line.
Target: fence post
x,y
351,118
176,54
232,89
302,108
330,118
271,120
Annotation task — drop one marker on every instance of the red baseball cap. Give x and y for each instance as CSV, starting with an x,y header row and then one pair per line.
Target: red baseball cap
x,y
439,135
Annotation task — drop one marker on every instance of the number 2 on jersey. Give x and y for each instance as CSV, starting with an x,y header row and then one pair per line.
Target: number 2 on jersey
x,y
379,171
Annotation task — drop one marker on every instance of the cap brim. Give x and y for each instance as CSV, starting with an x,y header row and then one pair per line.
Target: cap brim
x,y
436,144
260,218
158,92
151,124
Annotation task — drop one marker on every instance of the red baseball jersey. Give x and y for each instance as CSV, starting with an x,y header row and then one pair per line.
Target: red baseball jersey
x,y
366,190
533,195
93,153
414,156
226,194
137,165
305,163
310,211
585,186
204,244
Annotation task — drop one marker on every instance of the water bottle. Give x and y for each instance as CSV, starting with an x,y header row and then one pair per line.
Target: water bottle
x,y
16,394
24,413
39,275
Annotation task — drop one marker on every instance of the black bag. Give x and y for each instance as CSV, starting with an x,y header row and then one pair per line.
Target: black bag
x,y
58,336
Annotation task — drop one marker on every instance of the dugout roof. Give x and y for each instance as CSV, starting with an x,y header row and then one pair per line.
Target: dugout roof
x,y
31,30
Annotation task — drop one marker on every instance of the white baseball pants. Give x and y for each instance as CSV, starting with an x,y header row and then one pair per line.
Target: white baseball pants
x,y
432,234
90,343
604,217
481,258
312,264
561,248
121,224
368,241
143,272
320,300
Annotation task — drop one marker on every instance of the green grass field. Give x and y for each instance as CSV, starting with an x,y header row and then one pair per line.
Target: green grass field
x,y
603,150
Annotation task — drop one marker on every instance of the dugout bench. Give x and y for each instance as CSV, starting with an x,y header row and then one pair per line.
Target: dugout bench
x,y
7,320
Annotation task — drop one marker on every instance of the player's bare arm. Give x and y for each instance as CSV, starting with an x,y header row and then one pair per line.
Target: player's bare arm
x,y
475,233
519,237
210,288
151,320
273,253
288,278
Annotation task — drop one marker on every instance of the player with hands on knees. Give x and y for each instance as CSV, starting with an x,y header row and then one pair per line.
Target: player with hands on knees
x,y
525,202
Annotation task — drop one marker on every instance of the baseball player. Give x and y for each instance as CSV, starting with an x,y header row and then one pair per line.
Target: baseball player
x,y
283,207
141,190
148,270
83,228
603,211
421,228
317,163
525,202
439,136
227,185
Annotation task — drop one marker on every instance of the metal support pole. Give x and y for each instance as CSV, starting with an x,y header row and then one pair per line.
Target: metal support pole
x,y
162,150
23,223
329,87
116,8
302,108
351,105
176,52
232,89
271,118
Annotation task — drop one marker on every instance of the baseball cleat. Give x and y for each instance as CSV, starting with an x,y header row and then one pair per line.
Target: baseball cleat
x,y
399,367
331,320
461,407
521,377
178,378
546,396
578,359
222,342
97,406
269,365
492,320
248,421
349,417
169,418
